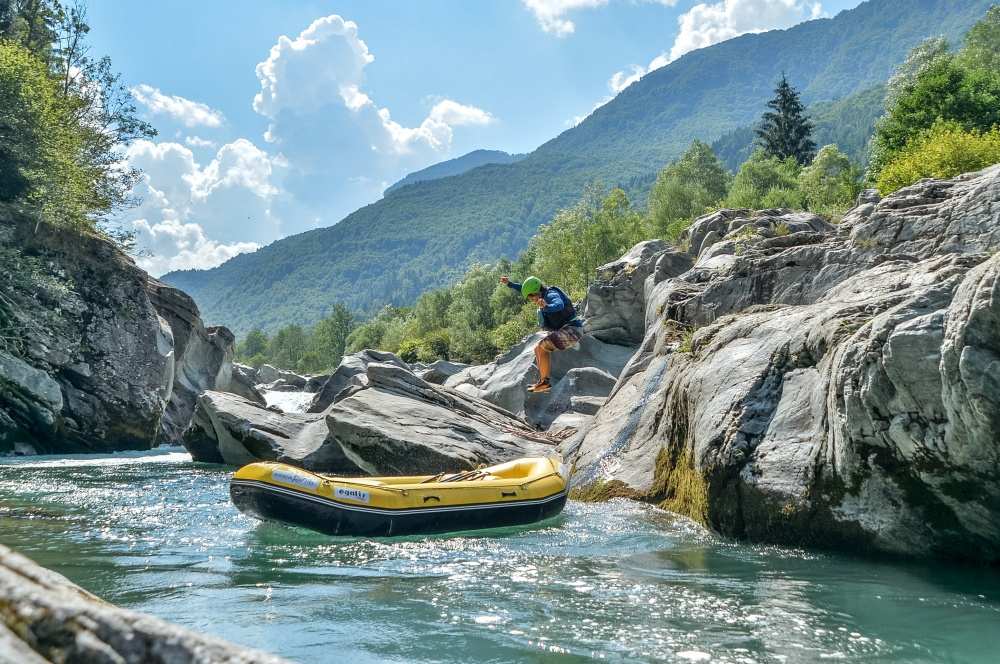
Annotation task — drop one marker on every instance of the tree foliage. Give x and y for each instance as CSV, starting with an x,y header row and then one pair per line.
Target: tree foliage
x,y
685,189
64,118
765,181
831,183
943,151
785,131
935,85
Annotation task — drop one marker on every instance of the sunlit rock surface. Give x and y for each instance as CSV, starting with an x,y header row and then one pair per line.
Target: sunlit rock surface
x,y
836,385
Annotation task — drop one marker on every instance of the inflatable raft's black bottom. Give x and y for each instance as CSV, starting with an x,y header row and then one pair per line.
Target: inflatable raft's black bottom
x,y
272,503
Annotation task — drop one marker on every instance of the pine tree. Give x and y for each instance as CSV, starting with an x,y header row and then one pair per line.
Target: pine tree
x,y
784,130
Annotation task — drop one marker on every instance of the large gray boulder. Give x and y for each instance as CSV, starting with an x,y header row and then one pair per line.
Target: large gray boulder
x,y
233,430
392,422
47,619
269,374
243,382
505,382
401,424
351,373
202,357
824,386
96,355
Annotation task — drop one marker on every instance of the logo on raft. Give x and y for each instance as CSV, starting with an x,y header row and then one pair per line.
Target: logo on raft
x,y
351,494
288,477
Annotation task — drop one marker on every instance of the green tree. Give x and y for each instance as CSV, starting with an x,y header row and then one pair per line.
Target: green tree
x,y
982,43
288,346
685,189
934,85
255,343
831,183
943,151
64,118
471,316
785,131
567,251
920,57
329,337
764,181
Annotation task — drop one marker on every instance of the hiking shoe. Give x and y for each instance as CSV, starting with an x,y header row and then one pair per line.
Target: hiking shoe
x,y
541,386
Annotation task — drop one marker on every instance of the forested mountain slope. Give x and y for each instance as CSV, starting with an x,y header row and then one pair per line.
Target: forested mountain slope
x,y
456,166
424,235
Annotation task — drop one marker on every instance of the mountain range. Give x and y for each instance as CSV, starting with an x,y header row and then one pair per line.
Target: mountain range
x,y
426,233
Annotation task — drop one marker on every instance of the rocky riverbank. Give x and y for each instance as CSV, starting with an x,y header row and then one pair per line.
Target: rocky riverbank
x,y
828,385
778,379
44,618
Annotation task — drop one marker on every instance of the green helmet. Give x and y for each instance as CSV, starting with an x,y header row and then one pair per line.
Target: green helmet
x,y
531,286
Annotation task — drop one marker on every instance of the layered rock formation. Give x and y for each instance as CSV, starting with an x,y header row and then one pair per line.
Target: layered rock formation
x,y
94,354
806,383
384,421
44,618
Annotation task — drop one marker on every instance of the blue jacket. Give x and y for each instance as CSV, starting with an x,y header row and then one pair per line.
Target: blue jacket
x,y
558,310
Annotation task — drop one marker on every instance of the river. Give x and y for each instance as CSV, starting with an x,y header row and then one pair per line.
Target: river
x,y
619,582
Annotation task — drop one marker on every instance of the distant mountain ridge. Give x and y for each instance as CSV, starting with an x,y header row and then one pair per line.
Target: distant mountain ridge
x,y
424,235
456,166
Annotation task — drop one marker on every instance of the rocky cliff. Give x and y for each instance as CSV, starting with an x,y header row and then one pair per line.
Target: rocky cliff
x,y
814,384
95,355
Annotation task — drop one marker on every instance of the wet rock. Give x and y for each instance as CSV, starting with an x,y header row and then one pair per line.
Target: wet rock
x,y
233,430
401,424
44,618
243,382
269,374
392,422
616,300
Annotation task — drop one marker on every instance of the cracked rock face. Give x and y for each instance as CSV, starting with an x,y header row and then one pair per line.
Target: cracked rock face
x,y
823,385
95,354
44,618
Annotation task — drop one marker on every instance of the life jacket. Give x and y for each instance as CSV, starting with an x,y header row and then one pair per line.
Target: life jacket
x,y
556,319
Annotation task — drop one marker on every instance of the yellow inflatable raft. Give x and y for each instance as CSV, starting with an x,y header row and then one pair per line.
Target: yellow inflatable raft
x,y
514,493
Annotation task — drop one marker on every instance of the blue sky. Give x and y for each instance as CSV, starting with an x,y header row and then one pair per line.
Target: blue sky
x,y
278,117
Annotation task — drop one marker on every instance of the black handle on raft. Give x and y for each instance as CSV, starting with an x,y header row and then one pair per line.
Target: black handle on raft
x,y
426,498
508,494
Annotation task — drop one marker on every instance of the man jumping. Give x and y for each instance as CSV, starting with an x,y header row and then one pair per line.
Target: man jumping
x,y
557,316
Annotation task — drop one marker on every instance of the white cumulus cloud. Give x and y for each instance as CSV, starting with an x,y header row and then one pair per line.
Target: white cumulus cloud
x,y
187,112
341,144
706,24
323,67
199,142
552,14
195,216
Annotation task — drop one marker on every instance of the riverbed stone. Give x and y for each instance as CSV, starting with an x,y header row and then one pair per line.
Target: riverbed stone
x,y
46,619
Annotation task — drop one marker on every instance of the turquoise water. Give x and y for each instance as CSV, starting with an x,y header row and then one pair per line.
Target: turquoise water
x,y
618,582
